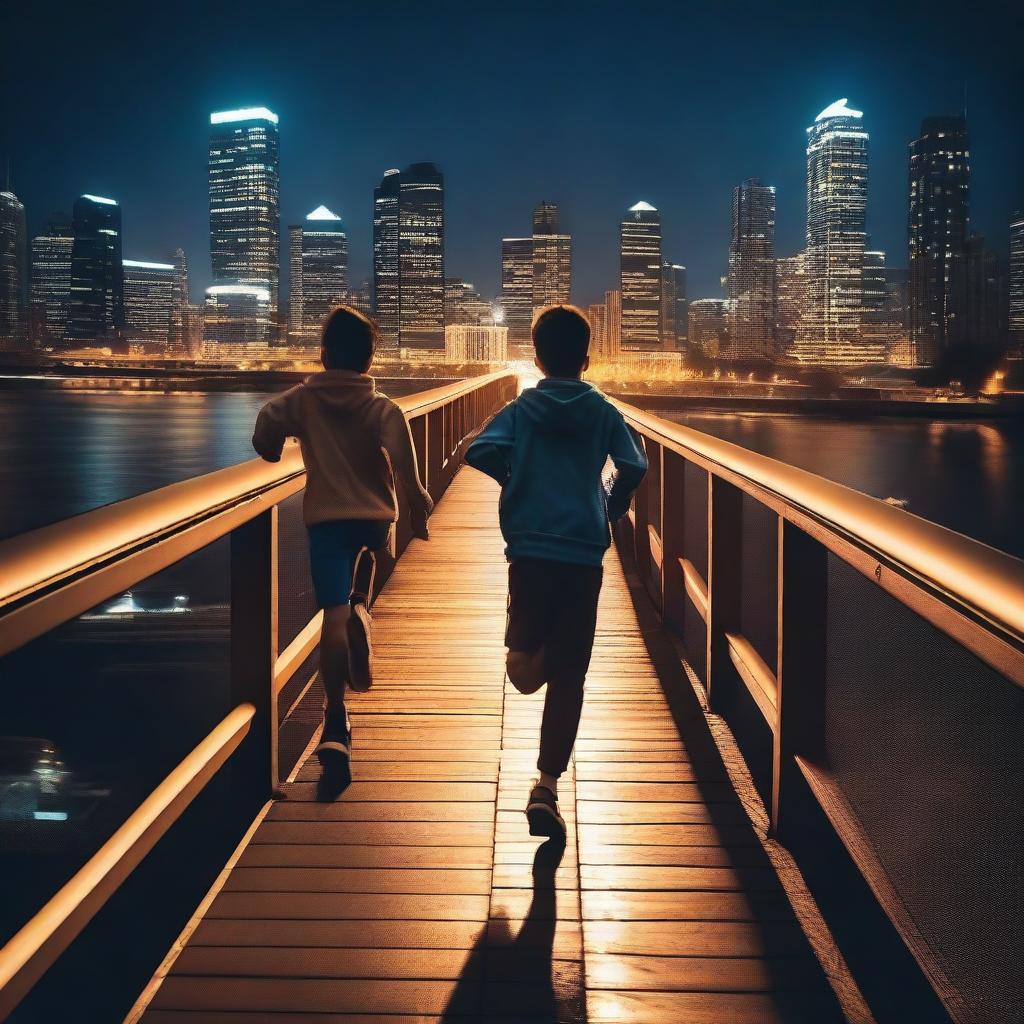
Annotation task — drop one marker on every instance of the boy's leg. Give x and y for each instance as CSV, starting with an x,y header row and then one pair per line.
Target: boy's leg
x,y
528,603
334,670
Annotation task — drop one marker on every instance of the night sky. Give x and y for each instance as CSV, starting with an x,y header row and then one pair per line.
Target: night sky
x,y
591,105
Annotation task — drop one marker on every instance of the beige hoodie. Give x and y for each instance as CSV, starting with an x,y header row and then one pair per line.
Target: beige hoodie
x,y
355,442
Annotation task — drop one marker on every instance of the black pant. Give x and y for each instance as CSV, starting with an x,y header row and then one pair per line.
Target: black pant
x,y
554,605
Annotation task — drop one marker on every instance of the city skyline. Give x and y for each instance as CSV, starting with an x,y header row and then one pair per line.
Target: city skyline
x,y
335,145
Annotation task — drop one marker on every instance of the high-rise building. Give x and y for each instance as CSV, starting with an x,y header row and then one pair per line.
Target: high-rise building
x,y
149,302
463,303
245,219
97,277
385,257
318,272
421,257
51,282
475,343
1016,286
752,290
13,274
236,318
790,299
708,331
552,258
937,229
673,306
613,322
597,314
517,291
178,339
640,278
837,192
979,296
875,285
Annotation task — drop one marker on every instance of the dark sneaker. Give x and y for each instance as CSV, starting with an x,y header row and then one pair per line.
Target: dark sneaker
x,y
542,814
335,754
360,653
362,577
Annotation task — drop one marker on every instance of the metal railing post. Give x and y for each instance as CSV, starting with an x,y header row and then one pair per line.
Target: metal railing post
x,y
673,506
725,559
254,647
801,664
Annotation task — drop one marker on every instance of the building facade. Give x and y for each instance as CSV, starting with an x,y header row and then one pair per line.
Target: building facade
x,y
318,273
463,304
517,290
752,286
552,258
980,297
244,184
385,257
236,319
708,331
937,232
837,192
96,312
50,293
475,343
790,299
613,322
673,306
149,302
421,315
14,308
1015,302
640,265
597,315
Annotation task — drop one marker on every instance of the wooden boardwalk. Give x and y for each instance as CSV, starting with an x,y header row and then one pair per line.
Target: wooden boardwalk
x,y
420,895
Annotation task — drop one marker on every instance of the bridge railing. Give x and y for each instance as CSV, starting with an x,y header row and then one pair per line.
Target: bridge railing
x,y
52,575
869,664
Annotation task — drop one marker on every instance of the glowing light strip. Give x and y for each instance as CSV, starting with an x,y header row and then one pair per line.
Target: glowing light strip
x,y
245,114
144,265
643,206
322,213
239,289
100,199
839,109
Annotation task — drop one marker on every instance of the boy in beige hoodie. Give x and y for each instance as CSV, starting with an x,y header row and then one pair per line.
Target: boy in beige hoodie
x,y
355,443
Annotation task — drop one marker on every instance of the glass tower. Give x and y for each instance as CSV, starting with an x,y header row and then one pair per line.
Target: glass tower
x,y
421,257
51,282
1016,286
640,279
245,220
149,300
97,277
752,293
937,230
13,274
552,258
517,290
321,260
385,257
837,193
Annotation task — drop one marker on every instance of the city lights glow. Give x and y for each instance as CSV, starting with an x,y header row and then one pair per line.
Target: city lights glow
x,y
240,289
322,213
100,199
244,114
839,109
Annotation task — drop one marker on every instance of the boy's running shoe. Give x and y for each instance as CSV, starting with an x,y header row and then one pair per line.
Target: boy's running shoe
x,y
360,652
542,814
363,573
335,754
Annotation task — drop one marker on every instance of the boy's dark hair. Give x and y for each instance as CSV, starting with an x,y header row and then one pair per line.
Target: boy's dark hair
x,y
561,337
349,339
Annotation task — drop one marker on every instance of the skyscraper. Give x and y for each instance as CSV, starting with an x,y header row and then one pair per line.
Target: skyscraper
x,y
385,257
673,305
837,192
937,228
1016,286
318,270
97,276
708,329
552,258
149,299
421,257
178,341
245,220
236,317
752,297
640,278
517,290
597,314
13,274
790,298
613,322
51,282
979,296
464,305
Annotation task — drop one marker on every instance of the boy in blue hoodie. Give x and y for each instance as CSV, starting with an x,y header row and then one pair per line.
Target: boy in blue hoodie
x,y
548,450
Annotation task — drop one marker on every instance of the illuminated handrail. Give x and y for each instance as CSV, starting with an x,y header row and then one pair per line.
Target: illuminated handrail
x,y
28,954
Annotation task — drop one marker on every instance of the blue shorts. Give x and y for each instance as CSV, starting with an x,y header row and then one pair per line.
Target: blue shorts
x,y
333,548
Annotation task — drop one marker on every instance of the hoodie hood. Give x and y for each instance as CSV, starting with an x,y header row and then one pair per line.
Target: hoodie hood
x,y
343,391
563,406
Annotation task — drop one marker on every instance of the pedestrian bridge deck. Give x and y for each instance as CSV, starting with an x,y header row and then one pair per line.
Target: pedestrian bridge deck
x,y
420,896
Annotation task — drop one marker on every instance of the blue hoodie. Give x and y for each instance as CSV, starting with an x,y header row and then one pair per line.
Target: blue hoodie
x,y
548,450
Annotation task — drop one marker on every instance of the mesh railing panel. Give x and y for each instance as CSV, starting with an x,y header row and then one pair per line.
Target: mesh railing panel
x,y
758,609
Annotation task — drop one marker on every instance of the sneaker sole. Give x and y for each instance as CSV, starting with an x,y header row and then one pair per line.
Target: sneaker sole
x,y
545,822
360,651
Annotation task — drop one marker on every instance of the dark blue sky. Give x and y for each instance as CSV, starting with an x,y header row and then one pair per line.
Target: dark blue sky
x,y
593,105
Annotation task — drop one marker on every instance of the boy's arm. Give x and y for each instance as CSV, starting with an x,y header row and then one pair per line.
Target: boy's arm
x,y
273,425
396,440
630,463
491,451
